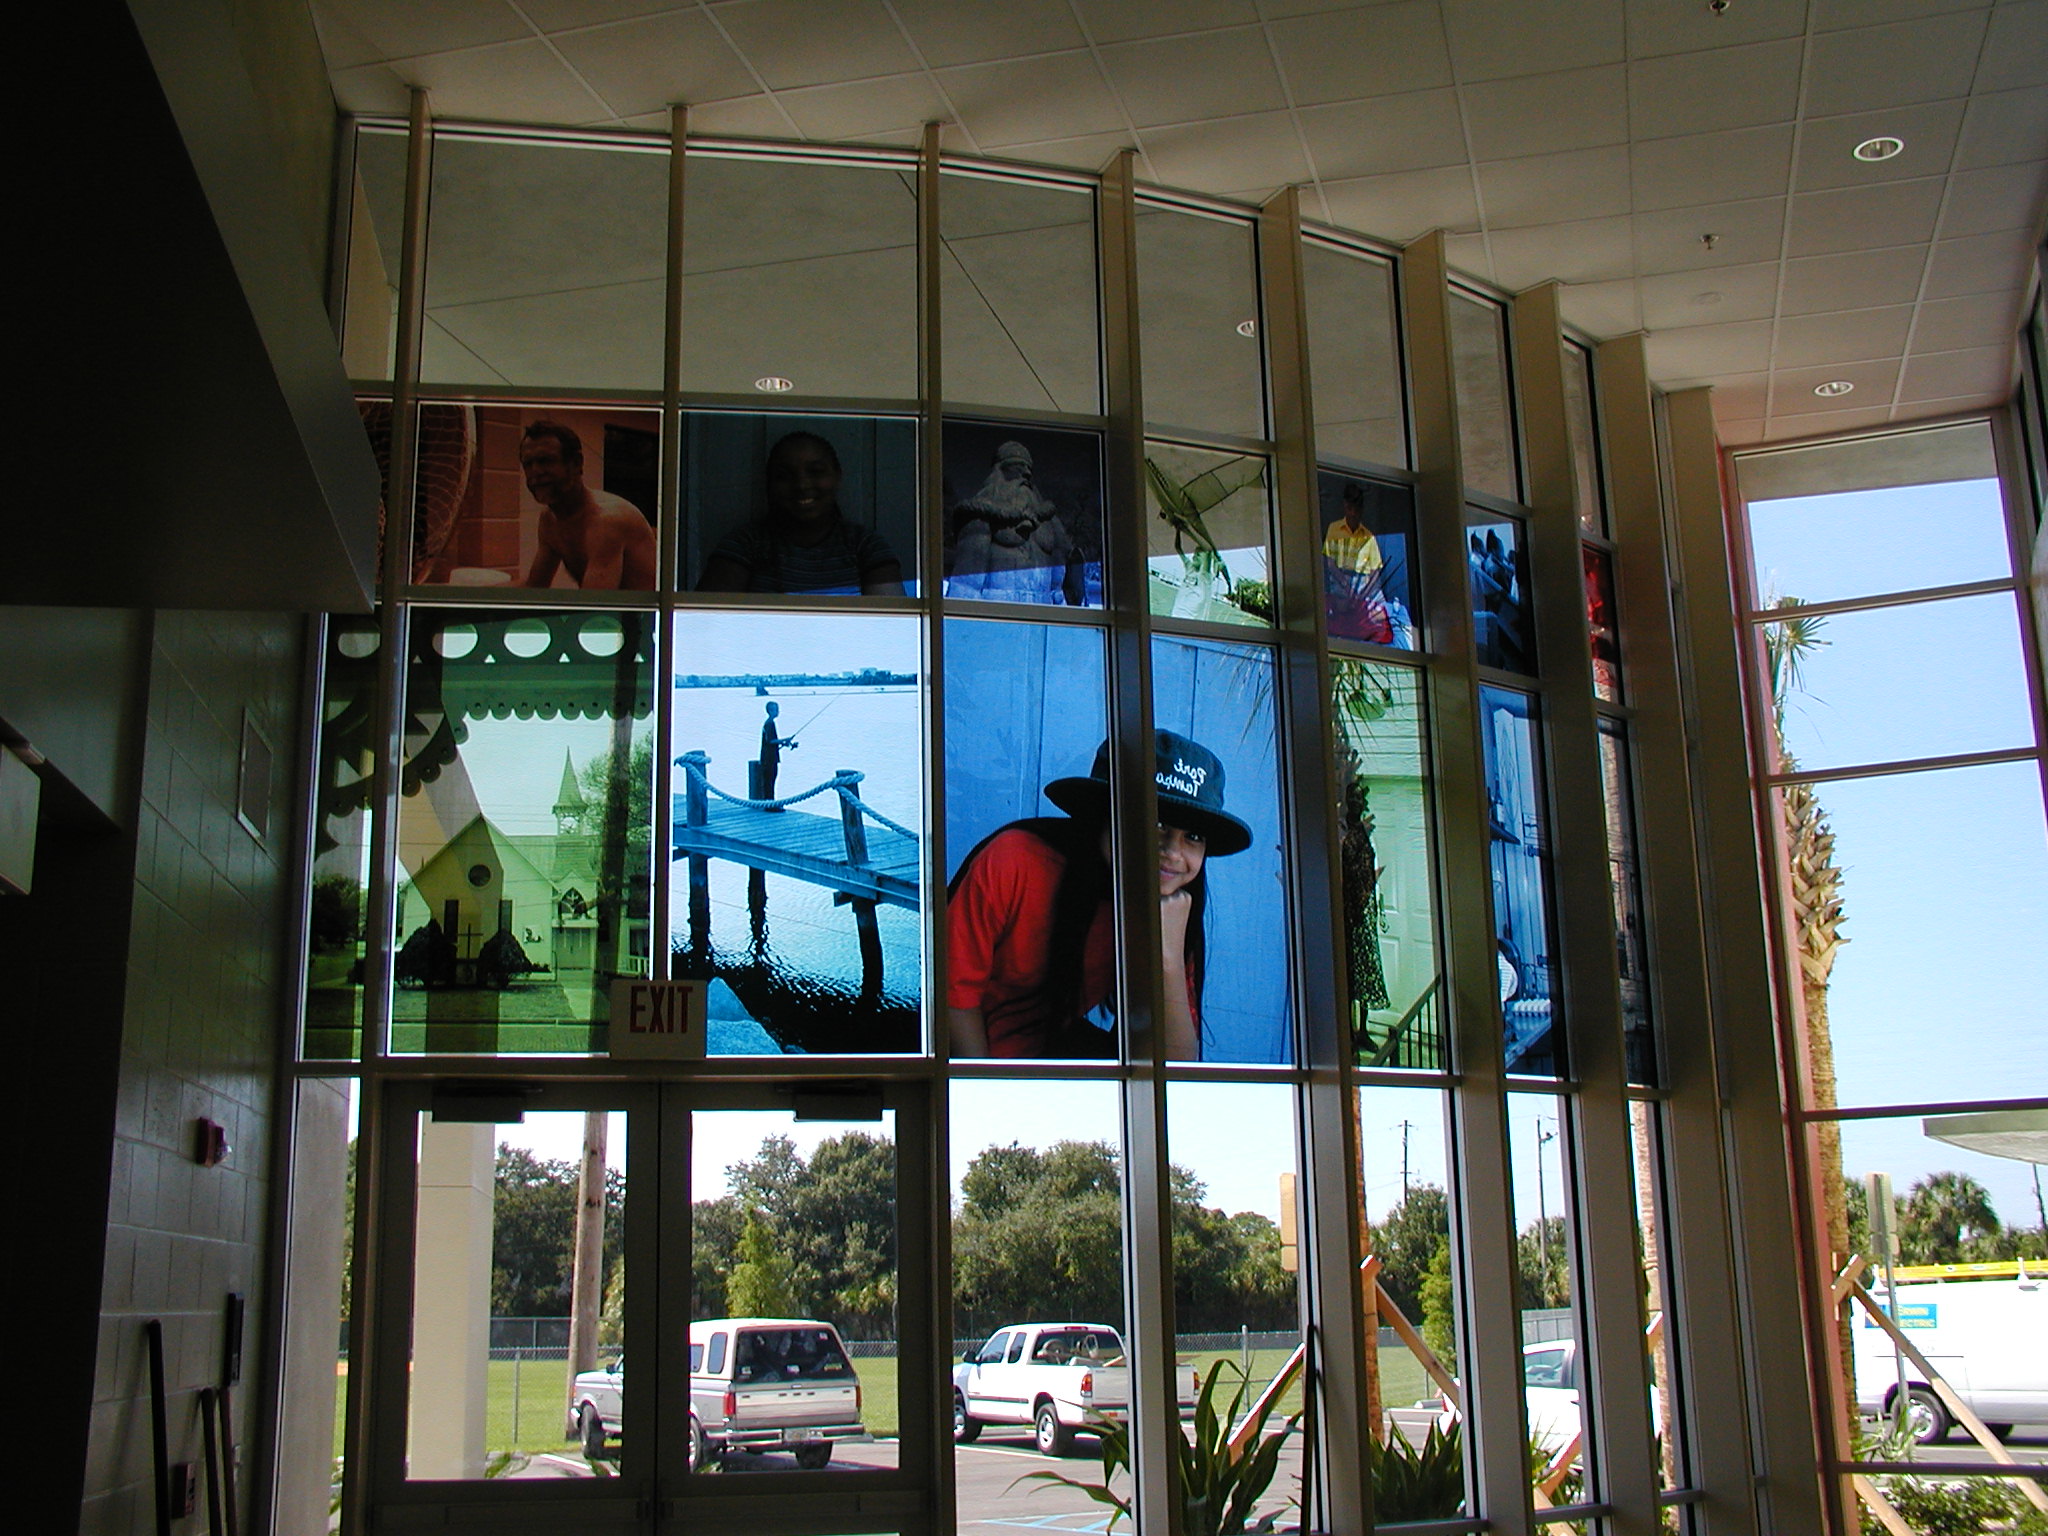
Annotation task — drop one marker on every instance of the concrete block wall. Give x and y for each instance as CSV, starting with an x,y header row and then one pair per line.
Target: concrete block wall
x,y
210,929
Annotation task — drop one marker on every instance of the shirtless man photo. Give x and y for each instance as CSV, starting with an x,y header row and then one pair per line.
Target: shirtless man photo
x,y
603,539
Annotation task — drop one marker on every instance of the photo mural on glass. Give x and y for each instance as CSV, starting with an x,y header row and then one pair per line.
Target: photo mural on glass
x,y
1519,863
523,828
1498,566
1031,965
1625,884
818,506
523,496
1207,547
1368,534
1222,870
336,933
1023,509
1598,566
1389,909
796,829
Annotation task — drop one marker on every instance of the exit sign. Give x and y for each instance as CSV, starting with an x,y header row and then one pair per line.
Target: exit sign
x,y
657,1019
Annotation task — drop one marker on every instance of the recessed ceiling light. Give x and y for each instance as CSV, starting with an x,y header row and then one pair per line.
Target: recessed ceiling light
x,y
1703,300
1833,389
774,385
1883,147
1247,327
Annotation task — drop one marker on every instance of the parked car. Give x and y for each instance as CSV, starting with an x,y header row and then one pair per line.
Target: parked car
x,y
1988,1339
756,1384
1055,1377
1550,1392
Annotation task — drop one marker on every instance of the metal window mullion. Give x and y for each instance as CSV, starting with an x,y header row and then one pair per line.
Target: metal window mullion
x,y
923,1175
364,1406
1774,1259
1148,1246
2023,538
1608,1278
668,540
1327,1136
1482,1197
668,1313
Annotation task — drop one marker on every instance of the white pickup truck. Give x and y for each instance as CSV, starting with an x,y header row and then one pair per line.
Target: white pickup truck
x,y
1054,1377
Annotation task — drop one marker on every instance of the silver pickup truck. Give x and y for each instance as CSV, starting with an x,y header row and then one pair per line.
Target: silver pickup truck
x,y
756,1384
1054,1377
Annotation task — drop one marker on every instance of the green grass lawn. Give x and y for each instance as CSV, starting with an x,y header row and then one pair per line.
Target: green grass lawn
x,y
525,1407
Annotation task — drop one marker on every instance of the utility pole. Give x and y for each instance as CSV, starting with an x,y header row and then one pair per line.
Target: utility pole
x,y
1542,1206
1407,1125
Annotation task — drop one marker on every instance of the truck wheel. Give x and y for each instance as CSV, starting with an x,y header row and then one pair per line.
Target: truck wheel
x,y
965,1430
2000,1431
590,1428
1926,1418
698,1454
1053,1437
814,1457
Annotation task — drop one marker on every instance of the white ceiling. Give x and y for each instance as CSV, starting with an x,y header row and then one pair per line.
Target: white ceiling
x,y
1679,170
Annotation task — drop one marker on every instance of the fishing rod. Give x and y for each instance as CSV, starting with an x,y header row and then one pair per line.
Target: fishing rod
x,y
792,736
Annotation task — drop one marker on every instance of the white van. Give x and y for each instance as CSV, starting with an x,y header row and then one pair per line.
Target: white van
x,y
1987,1338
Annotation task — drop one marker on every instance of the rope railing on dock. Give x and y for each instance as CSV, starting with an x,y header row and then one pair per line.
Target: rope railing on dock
x,y
842,781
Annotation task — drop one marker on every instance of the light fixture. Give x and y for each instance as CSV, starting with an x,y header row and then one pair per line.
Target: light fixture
x,y
1883,147
1833,389
774,384
1707,299
1247,327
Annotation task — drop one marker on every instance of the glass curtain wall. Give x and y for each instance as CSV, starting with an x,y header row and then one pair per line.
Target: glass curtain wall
x,y
1912,853
969,707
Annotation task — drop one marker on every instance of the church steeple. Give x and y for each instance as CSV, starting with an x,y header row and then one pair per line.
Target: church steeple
x,y
569,802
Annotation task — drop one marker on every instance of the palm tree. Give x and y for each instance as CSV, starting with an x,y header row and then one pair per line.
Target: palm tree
x,y
1814,889
1946,1215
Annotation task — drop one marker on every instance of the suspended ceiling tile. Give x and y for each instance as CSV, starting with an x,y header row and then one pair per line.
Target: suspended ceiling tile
x,y
1602,309
1979,264
1783,427
1492,42
950,32
554,16
1279,8
1855,280
1943,375
1543,189
1826,146
1712,167
1792,389
1348,54
1542,114
371,90
1712,296
1734,434
522,82
810,42
1742,395
647,122
1701,92
742,117
1087,152
1225,156
1116,21
1709,351
1406,204
398,30
1854,218
1658,27
2016,51
1026,100
1589,251
862,109
1979,319
341,45
1847,336
642,66
1932,59
2004,128
1186,79
1470,255
1998,197
1675,239
1835,15
1411,132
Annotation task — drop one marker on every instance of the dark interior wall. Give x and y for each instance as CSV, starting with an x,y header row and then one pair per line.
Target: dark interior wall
x,y
208,924
288,76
